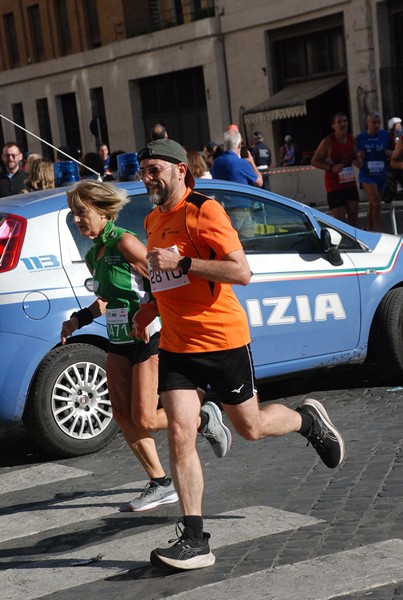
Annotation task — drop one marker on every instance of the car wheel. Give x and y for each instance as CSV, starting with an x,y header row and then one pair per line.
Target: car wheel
x,y
386,341
69,412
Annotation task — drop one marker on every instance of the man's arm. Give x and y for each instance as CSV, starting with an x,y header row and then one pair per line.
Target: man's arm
x,y
321,159
231,268
259,179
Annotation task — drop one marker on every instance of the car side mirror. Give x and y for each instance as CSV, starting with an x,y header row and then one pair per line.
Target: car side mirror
x,y
89,284
330,240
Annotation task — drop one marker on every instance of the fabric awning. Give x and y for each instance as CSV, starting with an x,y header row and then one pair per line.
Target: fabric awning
x,y
292,100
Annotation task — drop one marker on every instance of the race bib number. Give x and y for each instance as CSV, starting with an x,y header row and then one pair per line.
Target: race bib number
x,y
346,175
117,324
167,280
375,167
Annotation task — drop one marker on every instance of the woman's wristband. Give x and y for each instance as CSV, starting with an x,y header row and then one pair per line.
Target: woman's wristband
x,y
83,316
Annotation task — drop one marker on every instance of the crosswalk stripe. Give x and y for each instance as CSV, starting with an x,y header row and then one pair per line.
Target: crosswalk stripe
x,y
51,573
37,475
321,578
59,514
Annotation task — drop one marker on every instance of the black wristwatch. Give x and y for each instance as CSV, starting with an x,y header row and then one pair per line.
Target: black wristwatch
x,y
185,264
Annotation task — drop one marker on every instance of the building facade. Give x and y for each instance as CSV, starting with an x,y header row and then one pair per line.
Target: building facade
x,y
78,72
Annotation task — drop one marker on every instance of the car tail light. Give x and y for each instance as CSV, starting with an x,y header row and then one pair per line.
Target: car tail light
x,y
12,234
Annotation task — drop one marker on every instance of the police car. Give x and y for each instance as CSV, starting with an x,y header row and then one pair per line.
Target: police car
x,y
322,294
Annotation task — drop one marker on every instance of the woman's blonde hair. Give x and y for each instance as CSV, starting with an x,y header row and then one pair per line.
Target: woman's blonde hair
x,y
40,176
105,198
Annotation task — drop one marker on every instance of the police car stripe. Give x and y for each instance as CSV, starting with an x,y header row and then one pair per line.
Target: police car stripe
x,y
331,273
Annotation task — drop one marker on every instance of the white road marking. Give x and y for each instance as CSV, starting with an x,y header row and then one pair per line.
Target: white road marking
x,y
37,475
51,573
59,514
321,578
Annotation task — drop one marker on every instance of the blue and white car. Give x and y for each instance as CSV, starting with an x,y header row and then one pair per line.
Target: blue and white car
x,y
322,294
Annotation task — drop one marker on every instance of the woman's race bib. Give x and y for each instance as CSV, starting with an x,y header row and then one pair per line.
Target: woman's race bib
x,y
117,324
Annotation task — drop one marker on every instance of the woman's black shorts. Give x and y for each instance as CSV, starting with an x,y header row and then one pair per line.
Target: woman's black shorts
x,y
136,352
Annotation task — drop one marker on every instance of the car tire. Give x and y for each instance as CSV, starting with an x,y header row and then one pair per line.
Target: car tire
x,y
386,342
68,412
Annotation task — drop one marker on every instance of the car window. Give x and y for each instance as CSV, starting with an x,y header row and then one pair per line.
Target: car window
x,y
347,243
269,226
133,214
131,217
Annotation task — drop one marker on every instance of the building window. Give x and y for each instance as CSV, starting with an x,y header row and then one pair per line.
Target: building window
x,y
307,50
62,26
35,28
178,101
177,17
70,131
302,58
146,17
320,53
152,15
45,130
98,125
11,40
92,23
2,142
390,19
20,135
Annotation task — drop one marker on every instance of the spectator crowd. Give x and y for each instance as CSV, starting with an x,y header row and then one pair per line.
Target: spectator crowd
x,y
375,154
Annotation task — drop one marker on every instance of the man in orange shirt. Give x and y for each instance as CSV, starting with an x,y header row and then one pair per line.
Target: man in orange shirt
x,y
194,258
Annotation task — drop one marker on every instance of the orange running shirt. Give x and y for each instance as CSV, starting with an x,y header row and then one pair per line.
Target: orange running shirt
x,y
201,316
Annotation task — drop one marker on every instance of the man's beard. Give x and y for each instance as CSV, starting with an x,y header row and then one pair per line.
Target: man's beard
x,y
157,196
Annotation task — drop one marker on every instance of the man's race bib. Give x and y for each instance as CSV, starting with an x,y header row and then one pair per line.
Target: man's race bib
x,y
117,324
375,167
346,175
167,280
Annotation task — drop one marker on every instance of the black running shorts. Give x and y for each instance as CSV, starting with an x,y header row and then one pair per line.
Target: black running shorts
x,y
137,352
229,373
339,198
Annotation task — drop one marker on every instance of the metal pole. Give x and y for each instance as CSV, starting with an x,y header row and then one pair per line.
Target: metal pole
x,y
54,147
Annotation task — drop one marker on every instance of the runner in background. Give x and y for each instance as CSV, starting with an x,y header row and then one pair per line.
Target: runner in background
x,y
373,146
336,155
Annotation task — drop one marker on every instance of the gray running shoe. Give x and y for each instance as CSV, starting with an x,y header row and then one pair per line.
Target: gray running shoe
x,y
215,432
154,495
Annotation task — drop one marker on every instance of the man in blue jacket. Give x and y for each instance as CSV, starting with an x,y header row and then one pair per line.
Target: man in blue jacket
x,y
231,167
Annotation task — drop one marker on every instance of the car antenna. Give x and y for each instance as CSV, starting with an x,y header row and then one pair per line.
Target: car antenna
x,y
54,147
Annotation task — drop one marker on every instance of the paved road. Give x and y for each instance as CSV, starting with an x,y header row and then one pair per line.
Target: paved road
x,y
283,526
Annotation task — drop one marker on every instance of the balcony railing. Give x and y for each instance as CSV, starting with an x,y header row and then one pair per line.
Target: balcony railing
x,y
154,16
